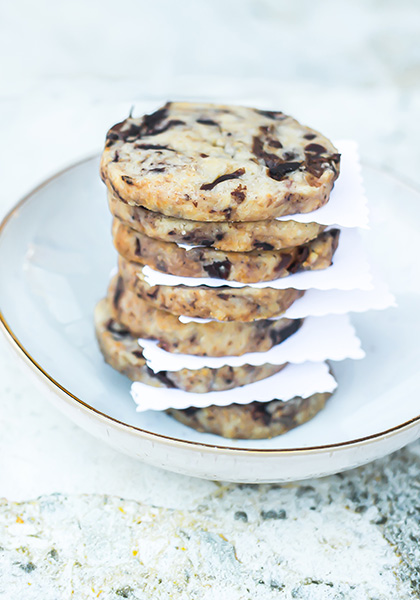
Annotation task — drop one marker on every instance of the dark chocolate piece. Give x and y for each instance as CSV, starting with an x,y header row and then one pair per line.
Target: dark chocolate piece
x,y
279,336
208,122
234,175
151,121
316,164
132,132
190,411
153,294
119,289
239,193
160,266
284,263
161,376
169,124
118,332
137,250
148,126
277,167
278,171
115,134
275,115
289,155
153,147
193,238
263,246
219,269
315,148
116,192
335,234
302,255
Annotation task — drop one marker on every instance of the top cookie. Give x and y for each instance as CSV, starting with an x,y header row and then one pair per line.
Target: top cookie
x,y
209,162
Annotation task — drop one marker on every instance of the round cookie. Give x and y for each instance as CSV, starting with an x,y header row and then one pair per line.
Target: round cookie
x,y
202,339
257,420
230,236
122,351
209,162
245,267
222,303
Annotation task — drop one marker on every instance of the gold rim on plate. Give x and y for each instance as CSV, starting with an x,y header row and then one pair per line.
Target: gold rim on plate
x,y
72,399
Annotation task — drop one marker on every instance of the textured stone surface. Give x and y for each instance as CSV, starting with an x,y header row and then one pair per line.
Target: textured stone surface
x,y
352,536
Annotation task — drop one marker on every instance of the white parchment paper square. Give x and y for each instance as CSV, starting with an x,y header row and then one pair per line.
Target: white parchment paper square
x,y
294,380
317,303
347,205
350,270
320,338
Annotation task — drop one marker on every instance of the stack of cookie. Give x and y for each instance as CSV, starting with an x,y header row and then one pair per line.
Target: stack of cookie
x,y
198,192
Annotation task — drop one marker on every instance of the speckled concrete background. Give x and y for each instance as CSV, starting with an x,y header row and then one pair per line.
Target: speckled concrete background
x,y
351,69
353,536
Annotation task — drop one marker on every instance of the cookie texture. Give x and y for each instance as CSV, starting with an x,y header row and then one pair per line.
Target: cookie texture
x,y
222,303
121,350
209,162
257,420
202,339
245,267
231,236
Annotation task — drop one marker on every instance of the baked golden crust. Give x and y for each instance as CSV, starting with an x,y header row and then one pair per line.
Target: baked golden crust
x,y
231,236
208,162
257,420
203,339
121,350
221,303
245,267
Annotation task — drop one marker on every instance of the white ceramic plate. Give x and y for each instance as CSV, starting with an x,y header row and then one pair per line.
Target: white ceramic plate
x,y
55,258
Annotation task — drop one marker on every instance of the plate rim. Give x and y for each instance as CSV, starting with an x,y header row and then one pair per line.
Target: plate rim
x,y
72,399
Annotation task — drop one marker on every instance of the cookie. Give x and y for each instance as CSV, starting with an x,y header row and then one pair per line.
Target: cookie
x,y
230,236
245,267
203,339
209,162
121,350
222,303
257,420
